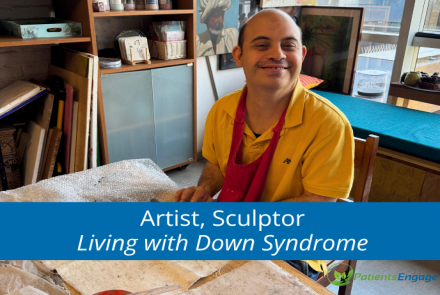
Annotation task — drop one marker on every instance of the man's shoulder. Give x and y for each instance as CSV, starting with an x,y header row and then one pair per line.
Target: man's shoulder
x,y
322,108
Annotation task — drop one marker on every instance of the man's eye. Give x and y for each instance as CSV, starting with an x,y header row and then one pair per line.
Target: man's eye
x,y
290,45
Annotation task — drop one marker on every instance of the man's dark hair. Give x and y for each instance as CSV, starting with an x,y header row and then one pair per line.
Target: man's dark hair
x,y
241,36
242,29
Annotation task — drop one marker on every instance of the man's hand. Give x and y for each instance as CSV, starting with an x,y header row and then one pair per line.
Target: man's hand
x,y
193,194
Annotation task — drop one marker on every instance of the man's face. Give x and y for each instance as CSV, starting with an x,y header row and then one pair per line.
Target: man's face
x,y
215,21
272,52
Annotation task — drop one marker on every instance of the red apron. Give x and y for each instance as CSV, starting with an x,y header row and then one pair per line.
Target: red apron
x,y
245,183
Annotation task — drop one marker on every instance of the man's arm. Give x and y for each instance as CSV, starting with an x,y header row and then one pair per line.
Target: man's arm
x,y
210,183
309,197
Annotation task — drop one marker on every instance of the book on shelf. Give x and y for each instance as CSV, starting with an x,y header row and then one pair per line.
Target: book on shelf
x,y
17,95
73,137
51,158
45,153
9,168
44,107
33,152
67,127
22,146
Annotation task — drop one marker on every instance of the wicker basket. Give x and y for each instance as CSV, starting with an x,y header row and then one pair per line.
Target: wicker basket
x,y
167,50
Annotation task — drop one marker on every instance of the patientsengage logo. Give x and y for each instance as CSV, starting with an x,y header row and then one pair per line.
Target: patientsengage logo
x,y
343,275
341,278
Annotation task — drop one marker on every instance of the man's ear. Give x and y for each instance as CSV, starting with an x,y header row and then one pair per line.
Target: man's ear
x,y
304,52
236,53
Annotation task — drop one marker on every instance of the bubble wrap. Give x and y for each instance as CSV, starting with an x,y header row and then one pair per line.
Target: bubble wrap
x,y
126,181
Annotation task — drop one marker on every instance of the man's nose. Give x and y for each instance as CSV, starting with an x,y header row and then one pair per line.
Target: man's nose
x,y
276,53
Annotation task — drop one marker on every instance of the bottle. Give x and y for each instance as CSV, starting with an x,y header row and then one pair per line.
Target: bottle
x,y
166,4
151,5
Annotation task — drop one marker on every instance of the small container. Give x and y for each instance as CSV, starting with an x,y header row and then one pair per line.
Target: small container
x,y
166,4
140,4
116,5
129,5
107,5
151,5
372,83
412,79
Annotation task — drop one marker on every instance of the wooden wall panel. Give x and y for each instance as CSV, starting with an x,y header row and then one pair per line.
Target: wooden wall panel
x,y
395,182
431,188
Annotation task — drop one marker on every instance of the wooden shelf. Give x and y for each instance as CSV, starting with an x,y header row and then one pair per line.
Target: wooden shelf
x,y
155,63
399,90
143,12
8,41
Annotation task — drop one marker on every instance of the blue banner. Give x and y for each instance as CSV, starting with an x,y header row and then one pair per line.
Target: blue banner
x,y
217,231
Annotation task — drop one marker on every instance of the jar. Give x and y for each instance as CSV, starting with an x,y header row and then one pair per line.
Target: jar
x,y
140,4
371,83
151,5
116,5
412,79
166,4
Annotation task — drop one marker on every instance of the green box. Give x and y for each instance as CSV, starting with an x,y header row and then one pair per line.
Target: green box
x,y
41,28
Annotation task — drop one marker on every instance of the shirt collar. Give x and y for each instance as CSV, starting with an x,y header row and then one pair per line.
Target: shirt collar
x,y
295,109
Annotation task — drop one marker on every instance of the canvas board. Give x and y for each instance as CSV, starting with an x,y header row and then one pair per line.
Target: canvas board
x,y
217,26
332,38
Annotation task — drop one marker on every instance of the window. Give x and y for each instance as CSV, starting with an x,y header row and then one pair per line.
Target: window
x,y
380,15
432,21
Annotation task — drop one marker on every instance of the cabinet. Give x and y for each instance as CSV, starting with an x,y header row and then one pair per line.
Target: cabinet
x,y
130,125
149,114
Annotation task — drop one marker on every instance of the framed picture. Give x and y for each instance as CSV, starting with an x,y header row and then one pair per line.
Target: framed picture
x,y
246,9
226,62
283,3
332,38
217,26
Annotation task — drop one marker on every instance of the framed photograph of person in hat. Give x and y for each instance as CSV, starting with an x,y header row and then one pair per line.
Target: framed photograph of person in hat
x,y
217,26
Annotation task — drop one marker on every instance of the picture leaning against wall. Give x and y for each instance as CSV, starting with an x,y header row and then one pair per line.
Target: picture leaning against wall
x,y
332,38
217,26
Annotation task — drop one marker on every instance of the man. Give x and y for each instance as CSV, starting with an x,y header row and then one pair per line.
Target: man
x,y
274,141
216,39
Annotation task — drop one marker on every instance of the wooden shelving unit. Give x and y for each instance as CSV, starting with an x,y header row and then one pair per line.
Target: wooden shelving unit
x,y
9,41
155,63
81,11
143,12
184,10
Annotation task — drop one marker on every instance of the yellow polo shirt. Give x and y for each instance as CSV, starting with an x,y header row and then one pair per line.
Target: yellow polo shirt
x,y
315,151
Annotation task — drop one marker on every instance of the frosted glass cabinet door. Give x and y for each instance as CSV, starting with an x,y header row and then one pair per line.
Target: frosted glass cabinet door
x,y
173,114
129,115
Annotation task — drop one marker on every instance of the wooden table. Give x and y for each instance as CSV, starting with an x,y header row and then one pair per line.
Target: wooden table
x,y
237,263
399,90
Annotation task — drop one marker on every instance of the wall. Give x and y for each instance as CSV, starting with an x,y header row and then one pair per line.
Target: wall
x,y
226,81
27,62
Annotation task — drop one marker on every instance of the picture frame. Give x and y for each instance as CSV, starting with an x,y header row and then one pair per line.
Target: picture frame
x,y
226,62
332,38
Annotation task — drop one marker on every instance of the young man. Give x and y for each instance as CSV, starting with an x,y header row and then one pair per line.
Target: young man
x,y
274,141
